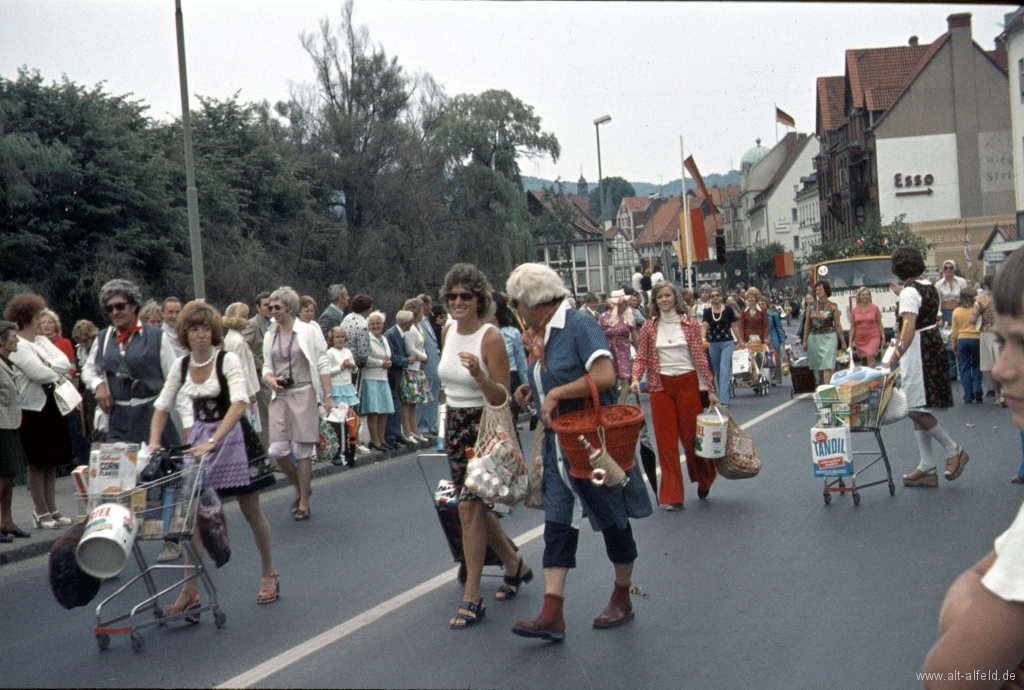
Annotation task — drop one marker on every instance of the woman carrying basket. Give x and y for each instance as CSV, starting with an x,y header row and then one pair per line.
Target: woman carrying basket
x,y
923,367
676,364
565,345
238,466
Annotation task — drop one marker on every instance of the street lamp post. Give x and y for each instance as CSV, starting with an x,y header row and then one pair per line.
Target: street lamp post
x,y
191,199
600,190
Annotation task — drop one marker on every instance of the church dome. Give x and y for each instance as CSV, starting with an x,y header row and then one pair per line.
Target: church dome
x,y
751,157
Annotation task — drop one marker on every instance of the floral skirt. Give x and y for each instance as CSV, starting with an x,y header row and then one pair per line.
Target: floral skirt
x,y
414,388
461,427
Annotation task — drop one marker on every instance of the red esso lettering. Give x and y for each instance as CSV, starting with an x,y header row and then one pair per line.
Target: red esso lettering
x,y
821,437
928,179
898,180
917,180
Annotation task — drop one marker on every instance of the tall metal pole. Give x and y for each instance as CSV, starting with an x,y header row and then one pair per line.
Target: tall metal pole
x,y
600,188
686,222
198,279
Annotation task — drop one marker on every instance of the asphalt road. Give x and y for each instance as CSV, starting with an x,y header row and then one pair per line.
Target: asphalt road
x,y
760,586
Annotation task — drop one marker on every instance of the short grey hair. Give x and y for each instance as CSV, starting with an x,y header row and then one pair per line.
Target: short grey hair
x,y
377,315
403,317
288,297
533,284
6,327
335,291
118,287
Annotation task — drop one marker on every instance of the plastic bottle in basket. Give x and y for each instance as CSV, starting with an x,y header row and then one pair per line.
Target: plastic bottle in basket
x,y
606,471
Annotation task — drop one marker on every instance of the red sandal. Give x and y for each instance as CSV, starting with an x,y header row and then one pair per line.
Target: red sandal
x,y
269,596
191,603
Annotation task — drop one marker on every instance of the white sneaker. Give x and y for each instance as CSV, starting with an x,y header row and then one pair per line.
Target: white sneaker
x,y
170,552
360,448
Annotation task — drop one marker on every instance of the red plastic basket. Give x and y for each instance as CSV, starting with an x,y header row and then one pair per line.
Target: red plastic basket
x,y
621,424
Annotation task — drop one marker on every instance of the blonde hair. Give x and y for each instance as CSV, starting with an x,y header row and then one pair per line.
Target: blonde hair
x,y
333,332
864,289
236,316
52,315
148,310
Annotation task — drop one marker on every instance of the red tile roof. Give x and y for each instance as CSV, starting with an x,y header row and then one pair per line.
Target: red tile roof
x,y
664,227
721,196
883,71
582,223
830,102
635,203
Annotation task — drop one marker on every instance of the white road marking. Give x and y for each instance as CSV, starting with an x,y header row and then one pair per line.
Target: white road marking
x,y
311,646
289,657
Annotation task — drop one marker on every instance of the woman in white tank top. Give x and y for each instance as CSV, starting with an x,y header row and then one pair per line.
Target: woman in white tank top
x,y
474,368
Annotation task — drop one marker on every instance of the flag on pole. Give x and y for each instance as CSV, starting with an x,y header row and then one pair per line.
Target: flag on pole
x,y
784,118
691,167
967,247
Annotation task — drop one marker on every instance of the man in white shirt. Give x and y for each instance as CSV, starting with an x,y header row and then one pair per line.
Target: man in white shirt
x,y
638,274
657,276
169,312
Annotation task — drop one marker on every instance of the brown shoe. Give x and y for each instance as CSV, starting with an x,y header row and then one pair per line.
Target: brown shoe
x,y
538,626
955,465
614,616
919,478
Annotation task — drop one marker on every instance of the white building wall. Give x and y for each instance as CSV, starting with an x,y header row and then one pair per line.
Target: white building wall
x,y
780,203
1015,51
917,158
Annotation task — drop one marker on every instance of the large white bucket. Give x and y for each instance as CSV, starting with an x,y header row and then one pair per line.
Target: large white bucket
x,y
108,538
712,432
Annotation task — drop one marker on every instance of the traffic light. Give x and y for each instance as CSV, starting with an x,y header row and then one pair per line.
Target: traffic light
x,y
720,248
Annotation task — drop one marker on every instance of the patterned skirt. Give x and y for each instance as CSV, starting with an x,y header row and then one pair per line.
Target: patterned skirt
x,y
461,427
414,387
239,465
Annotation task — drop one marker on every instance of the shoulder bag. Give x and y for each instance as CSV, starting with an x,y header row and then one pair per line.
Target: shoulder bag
x,y
497,472
65,394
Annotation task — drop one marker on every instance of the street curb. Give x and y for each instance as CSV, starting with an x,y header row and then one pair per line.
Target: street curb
x,y
38,547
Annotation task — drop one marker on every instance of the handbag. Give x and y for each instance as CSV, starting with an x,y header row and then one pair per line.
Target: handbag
x,y
741,460
496,471
67,397
213,528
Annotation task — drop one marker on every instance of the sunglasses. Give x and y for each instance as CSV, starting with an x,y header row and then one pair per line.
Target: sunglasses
x,y
275,307
947,268
464,296
119,306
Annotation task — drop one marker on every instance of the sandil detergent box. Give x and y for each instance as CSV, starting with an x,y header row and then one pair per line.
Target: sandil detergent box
x,y
830,451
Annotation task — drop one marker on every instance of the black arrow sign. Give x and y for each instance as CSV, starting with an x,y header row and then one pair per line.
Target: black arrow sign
x,y
916,192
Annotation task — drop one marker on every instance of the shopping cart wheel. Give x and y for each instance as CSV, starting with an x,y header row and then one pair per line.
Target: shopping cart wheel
x,y
138,642
220,618
892,489
828,498
103,641
856,498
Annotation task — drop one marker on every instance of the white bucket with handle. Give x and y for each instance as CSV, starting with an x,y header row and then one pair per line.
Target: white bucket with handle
x,y
712,433
107,540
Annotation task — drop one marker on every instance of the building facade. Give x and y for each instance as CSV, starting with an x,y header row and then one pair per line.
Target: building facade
x,y
770,214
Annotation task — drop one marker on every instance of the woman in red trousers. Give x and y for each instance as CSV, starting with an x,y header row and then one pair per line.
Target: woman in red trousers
x,y
672,354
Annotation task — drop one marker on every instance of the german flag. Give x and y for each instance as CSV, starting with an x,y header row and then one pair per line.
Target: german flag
x,y
784,118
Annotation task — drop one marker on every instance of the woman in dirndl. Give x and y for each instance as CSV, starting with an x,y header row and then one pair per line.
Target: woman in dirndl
x,y
619,327
237,465
823,331
923,366
566,344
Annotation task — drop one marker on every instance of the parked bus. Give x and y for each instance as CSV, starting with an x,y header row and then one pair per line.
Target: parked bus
x,y
849,275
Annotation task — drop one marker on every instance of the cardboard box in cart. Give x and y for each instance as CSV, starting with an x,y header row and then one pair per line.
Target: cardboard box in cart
x,y
830,451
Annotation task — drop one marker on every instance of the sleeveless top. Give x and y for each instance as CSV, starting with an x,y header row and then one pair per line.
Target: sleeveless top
x,y
460,389
822,320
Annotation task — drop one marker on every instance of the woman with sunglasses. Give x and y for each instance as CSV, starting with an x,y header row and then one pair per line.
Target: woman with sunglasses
x,y
474,368
296,368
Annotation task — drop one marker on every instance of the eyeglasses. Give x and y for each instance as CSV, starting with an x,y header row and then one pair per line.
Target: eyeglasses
x,y
464,296
275,307
118,306
947,268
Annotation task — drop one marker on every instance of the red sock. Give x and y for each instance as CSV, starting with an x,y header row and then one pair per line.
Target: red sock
x,y
620,597
552,610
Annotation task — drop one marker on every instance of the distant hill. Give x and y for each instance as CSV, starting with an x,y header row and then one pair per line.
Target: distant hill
x,y
671,188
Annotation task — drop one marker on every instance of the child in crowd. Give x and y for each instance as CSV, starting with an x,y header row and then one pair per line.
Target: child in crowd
x,y
343,392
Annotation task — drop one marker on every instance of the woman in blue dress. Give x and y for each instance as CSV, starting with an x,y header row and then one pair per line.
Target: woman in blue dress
x,y
564,346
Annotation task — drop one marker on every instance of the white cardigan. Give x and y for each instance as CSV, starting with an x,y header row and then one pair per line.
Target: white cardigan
x,y
310,344
31,373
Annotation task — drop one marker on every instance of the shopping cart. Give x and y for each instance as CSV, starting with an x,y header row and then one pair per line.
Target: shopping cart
x,y
800,374
863,416
757,378
162,509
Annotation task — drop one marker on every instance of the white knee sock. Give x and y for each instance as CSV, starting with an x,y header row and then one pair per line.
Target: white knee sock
x,y
942,437
924,445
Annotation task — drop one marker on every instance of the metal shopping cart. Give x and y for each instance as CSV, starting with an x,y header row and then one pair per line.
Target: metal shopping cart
x,y
861,415
800,374
162,509
757,376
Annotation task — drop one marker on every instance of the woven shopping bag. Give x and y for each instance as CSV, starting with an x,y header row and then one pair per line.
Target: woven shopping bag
x,y
740,461
497,471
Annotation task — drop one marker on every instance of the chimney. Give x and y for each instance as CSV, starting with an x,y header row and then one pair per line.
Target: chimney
x,y
1001,58
959,21
912,41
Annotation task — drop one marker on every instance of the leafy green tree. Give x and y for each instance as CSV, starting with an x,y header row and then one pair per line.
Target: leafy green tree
x,y
761,261
615,188
555,226
870,238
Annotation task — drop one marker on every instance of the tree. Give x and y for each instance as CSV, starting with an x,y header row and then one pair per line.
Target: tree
x,y
869,238
615,188
555,226
761,261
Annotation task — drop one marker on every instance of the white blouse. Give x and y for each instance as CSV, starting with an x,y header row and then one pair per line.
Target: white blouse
x,y
414,346
340,376
1005,578
210,388
674,357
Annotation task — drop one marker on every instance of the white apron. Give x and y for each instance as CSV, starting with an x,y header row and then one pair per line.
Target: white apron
x,y
912,372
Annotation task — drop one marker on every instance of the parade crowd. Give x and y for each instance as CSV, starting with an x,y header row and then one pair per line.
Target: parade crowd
x,y
267,392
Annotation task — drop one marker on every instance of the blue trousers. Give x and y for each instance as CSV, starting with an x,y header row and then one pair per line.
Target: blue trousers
x,y
969,352
721,366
